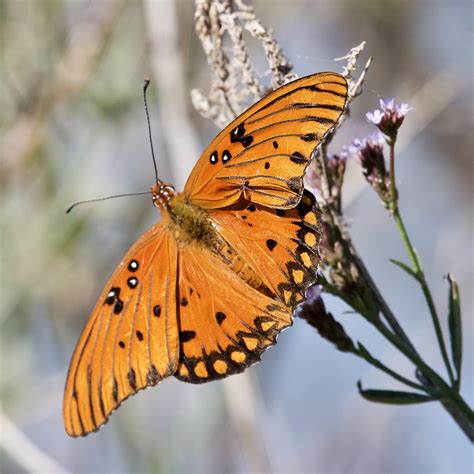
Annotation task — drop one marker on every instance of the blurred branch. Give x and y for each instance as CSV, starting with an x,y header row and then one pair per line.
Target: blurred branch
x,y
166,61
242,405
86,43
23,451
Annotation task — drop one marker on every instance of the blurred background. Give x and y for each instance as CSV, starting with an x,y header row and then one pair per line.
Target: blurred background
x,y
73,127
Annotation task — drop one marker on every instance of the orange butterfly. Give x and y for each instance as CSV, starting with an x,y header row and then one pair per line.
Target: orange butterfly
x,y
207,289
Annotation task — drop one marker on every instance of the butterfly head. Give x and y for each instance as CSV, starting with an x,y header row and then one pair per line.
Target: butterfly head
x,y
161,194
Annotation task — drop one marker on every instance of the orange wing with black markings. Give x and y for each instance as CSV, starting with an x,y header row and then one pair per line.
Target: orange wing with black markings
x,y
262,155
131,339
281,245
225,323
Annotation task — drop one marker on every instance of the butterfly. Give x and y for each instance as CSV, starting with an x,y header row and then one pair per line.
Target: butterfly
x,y
208,288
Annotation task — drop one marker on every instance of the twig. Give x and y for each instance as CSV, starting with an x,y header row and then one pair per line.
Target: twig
x,y
242,404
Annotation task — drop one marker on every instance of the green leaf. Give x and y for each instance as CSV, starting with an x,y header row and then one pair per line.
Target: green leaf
x,y
455,325
405,267
392,396
363,352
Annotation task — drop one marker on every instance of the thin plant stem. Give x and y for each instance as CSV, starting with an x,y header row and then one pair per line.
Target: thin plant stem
x,y
445,389
395,211
379,365
450,399
393,187
432,382
387,313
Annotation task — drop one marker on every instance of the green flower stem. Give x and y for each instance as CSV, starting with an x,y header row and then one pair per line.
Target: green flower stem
x,y
446,392
449,398
385,309
379,365
393,187
395,211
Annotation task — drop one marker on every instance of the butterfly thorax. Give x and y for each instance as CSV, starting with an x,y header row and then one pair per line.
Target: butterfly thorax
x,y
193,225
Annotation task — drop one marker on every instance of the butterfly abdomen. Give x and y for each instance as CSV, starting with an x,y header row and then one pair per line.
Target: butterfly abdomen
x,y
239,266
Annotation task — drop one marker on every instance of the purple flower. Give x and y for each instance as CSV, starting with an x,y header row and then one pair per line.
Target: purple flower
x,y
313,293
369,153
314,312
389,117
335,168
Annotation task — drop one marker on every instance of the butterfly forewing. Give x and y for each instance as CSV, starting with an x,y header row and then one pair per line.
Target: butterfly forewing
x,y
225,323
131,340
262,155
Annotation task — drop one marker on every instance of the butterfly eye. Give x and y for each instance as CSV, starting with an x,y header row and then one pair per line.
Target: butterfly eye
x,y
226,156
213,157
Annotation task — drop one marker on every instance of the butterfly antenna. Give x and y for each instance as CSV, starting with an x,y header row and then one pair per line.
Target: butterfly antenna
x,y
145,85
72,206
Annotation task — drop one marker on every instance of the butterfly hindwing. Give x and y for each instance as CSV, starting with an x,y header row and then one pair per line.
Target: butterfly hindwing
x,y
225,324
131,339
282,245
262,155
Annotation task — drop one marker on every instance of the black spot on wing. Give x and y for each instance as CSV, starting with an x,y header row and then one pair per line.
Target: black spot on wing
x,y
220,317
185,336
237,135
153,377
271,244
132,378
309,137
118,307
297,157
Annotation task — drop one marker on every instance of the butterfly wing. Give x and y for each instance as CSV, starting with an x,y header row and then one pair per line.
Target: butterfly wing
x,y
131,339
262,155
282,245
225,323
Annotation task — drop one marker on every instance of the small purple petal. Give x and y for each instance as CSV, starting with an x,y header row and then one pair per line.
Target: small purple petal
x,y
313,293
387,103
375,117
403,109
